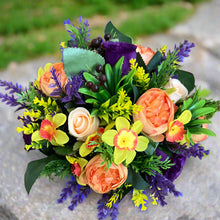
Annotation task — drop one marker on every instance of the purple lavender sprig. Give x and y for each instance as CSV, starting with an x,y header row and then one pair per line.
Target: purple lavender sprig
x,y
183,50
72,88
13,88
104,211
160,186
194,151
79,35
82,193
72,185
11,101
57,84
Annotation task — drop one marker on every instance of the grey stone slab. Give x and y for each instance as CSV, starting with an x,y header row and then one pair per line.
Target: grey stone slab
x,y
199,181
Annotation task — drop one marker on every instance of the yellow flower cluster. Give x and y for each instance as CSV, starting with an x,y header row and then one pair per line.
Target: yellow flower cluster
x,y
49,106
124,106
141,78
140,199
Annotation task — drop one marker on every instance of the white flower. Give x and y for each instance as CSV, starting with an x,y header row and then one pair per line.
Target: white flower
x,y
181,91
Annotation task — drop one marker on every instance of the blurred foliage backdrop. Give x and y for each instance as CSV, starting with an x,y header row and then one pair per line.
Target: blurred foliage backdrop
x,y
30,28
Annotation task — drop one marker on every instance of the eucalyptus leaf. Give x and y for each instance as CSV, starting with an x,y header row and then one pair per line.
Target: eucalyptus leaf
x,y
67,150
34,169
154,62
88,60
136,180
152,146
186,78
115,33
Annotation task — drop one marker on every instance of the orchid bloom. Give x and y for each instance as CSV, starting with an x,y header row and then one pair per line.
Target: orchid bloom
x,y
126,140
91,142
77,164
48,130
176,128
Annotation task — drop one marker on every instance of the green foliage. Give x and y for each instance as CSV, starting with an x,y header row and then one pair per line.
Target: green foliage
x,y
136,180
67,150
88,60
213,104
34,170
107,154
147,164
111,29
186,78
58,168
165,70
27,97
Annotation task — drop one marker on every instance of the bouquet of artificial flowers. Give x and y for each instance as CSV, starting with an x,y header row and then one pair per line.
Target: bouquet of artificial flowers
x,y
114,117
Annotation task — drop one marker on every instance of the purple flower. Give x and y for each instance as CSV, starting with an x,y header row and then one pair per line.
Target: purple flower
x,y
184,50
160,186
177,159
104,211
115,50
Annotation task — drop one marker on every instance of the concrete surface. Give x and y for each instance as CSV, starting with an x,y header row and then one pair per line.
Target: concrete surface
x,y
199,181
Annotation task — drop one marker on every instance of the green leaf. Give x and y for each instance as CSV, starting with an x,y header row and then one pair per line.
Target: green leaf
x,y
34,169
91,101
109,76
152,146
154,62
202,111
135,92
115,33
141,62
117,69
67,150
187,103
136,180
89,77
200,130
197,105
88,60
186,78
198,122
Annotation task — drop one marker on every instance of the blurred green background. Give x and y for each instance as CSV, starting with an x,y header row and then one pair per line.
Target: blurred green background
x,y
30,28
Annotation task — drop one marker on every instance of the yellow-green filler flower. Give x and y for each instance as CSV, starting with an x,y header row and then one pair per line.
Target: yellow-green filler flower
x,y
126,140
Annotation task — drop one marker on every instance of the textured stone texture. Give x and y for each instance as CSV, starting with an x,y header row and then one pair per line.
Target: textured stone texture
x,y
199,181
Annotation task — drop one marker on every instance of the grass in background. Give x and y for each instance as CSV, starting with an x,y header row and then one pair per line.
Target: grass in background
x,y
35,28
155,19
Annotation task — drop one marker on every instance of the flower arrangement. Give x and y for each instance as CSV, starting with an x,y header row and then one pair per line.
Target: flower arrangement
x,y
114,117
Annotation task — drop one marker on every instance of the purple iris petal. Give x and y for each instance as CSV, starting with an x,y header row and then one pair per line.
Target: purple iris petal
x,y
115,50
177,159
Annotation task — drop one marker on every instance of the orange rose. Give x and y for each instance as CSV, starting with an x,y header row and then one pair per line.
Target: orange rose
x,y
45,79
146,53
101,180
81,124
200,137
157,113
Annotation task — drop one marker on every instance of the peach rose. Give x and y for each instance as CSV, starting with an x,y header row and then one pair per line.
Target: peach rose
x,y
45,79
81,124
146,53
101,180
181,91
200,137
157,113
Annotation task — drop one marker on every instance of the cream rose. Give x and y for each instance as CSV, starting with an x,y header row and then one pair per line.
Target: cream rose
x,y
81,124
181,91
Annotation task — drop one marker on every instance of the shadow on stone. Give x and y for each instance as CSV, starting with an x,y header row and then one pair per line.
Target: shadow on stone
x,y
6,214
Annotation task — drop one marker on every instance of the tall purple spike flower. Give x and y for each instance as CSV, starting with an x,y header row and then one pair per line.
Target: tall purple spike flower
x,y
194,151
72,185
184,50
59,90
13,88
82,193
80,39
72,88
104,211
160,186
